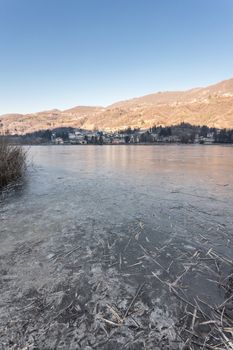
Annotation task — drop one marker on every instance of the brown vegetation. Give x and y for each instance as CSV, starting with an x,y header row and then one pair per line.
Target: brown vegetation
x,y
12,163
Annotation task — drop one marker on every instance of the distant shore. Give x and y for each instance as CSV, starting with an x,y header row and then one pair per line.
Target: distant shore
x,y
131,144
183,133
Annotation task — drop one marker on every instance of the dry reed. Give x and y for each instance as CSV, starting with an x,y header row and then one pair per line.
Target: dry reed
x,y
12,163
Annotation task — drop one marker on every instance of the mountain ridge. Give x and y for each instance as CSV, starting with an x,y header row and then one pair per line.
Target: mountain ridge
x,y
211,106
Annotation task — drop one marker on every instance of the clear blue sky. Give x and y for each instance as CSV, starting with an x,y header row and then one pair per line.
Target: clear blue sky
x,y
63,53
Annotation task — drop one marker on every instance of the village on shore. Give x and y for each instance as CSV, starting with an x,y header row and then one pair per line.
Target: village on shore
x,y
183,133
82,137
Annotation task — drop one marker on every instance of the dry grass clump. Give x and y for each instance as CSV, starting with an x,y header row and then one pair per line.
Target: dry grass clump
x,y
12,163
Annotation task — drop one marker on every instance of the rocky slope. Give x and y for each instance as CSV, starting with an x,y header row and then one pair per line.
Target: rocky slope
x,y
212,106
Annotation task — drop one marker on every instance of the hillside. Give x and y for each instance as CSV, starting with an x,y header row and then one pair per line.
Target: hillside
x,y
211,106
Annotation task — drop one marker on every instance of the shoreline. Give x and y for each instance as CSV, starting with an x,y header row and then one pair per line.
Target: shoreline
x,y
130,144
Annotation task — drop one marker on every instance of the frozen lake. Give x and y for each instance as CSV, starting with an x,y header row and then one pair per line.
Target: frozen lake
x,y
95,225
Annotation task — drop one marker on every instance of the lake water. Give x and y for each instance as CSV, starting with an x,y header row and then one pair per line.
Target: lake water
x,y
99,222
